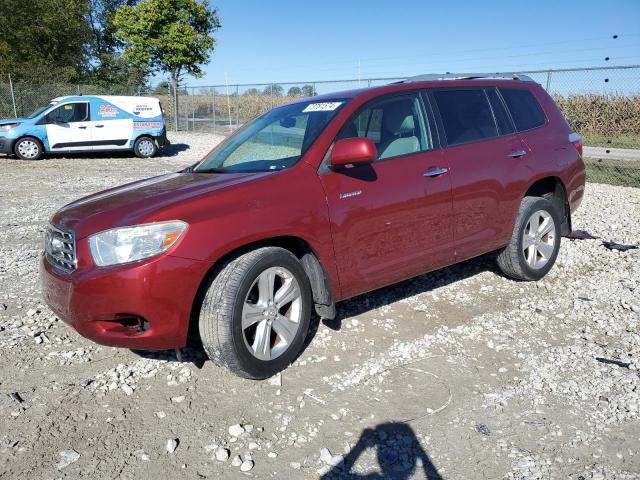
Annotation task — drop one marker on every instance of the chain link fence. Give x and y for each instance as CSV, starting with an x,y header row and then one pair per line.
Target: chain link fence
x,y
21,99
602,104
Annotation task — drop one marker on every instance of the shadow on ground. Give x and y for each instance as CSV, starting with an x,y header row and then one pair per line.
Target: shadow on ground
x,y
398,452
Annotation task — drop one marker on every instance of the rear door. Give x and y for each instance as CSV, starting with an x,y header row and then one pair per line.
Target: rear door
x,y
389,221
68,127
483,152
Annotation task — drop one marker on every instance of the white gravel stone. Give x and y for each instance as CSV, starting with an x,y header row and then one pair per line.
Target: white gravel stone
x,y
246,465
172,444
222,454
236,430
68,457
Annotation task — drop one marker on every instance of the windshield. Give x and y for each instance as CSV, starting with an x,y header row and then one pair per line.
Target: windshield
x,y
39,110
273,141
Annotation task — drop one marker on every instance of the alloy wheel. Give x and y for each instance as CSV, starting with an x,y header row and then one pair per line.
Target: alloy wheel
x,y
271,313
539,239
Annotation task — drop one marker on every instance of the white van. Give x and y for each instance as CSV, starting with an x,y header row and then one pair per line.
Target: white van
x,y
87,123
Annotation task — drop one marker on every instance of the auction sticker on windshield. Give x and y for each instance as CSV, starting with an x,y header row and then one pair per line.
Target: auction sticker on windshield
x,y
322,107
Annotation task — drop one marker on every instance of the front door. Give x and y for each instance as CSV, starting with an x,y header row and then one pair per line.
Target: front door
x,y
389,220
68,127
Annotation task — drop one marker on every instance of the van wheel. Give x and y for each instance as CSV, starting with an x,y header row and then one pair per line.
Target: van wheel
x,y
255,313
28,148
535,242
145,147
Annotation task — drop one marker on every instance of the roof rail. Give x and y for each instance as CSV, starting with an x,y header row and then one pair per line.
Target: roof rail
x,y
466,76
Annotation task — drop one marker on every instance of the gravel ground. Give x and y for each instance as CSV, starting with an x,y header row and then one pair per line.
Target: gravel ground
x,y
460,373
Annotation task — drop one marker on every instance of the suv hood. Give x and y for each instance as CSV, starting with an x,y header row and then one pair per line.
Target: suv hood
x,y
142,201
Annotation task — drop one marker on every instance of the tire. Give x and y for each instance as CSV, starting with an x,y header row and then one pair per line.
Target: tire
x,y
237,293
542,245
145,147
28,148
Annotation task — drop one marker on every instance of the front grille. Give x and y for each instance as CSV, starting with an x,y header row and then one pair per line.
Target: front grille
x,y
60,248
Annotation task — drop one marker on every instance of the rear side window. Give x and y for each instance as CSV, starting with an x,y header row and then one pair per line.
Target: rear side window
x,y
524,108
466,115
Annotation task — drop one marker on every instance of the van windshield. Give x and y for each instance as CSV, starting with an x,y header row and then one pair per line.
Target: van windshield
x,y
273,141
39,110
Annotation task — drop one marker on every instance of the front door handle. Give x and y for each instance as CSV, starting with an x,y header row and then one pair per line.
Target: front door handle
x,y
99,126
435,172
82,128
518,154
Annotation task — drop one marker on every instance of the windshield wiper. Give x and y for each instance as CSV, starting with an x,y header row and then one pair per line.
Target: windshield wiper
x,y
211,170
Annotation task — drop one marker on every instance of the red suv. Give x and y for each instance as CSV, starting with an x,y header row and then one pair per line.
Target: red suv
x,y
312,203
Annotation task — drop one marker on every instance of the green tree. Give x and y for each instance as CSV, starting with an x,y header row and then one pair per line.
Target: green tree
x,y
44,40
309,91
294,92
167,36
252,92
273,89
108,65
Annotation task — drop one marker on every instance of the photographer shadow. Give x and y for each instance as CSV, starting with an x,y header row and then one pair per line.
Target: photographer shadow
x,y
399,454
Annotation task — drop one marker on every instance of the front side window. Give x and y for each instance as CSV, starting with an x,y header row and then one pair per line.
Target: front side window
x,y
466,115
524,108
395,124
273,141
69,113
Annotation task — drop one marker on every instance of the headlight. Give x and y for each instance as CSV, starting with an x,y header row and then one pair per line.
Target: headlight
x,y
8,126
128,244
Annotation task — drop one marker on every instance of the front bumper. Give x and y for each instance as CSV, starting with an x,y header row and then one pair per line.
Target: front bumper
x,y
6,145
146,305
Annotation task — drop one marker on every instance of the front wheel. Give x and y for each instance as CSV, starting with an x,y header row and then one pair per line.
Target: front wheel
x,y
28,148
535,241
256,312
145,147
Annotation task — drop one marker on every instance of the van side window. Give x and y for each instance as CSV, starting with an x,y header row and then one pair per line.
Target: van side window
x,y
466,115
525,109
69,113
505,125
395,124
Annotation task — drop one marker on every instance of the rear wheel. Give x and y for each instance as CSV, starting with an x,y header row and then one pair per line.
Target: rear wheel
x,y
145,147
28,148
535,242
255,313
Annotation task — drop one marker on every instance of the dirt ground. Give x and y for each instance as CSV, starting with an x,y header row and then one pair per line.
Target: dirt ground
x,y
458,374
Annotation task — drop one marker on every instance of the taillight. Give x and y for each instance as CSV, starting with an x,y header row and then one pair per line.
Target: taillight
x,y
576,140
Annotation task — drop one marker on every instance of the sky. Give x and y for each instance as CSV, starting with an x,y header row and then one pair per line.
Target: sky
x,y
298,41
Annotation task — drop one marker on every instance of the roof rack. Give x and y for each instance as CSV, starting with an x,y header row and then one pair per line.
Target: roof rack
x,y
466,76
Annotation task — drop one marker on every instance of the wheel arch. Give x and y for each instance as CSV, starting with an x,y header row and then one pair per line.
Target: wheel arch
x,y
553,189
321,285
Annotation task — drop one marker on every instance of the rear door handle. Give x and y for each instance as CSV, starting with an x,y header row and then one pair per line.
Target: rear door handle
x,y
518,153
82,128
99,126
435,172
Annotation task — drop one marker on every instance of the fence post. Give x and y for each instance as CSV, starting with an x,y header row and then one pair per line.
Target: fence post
x,y
237,106
13,97
548,81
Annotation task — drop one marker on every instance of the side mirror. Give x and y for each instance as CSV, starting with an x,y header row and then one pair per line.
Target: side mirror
x,y
353,151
